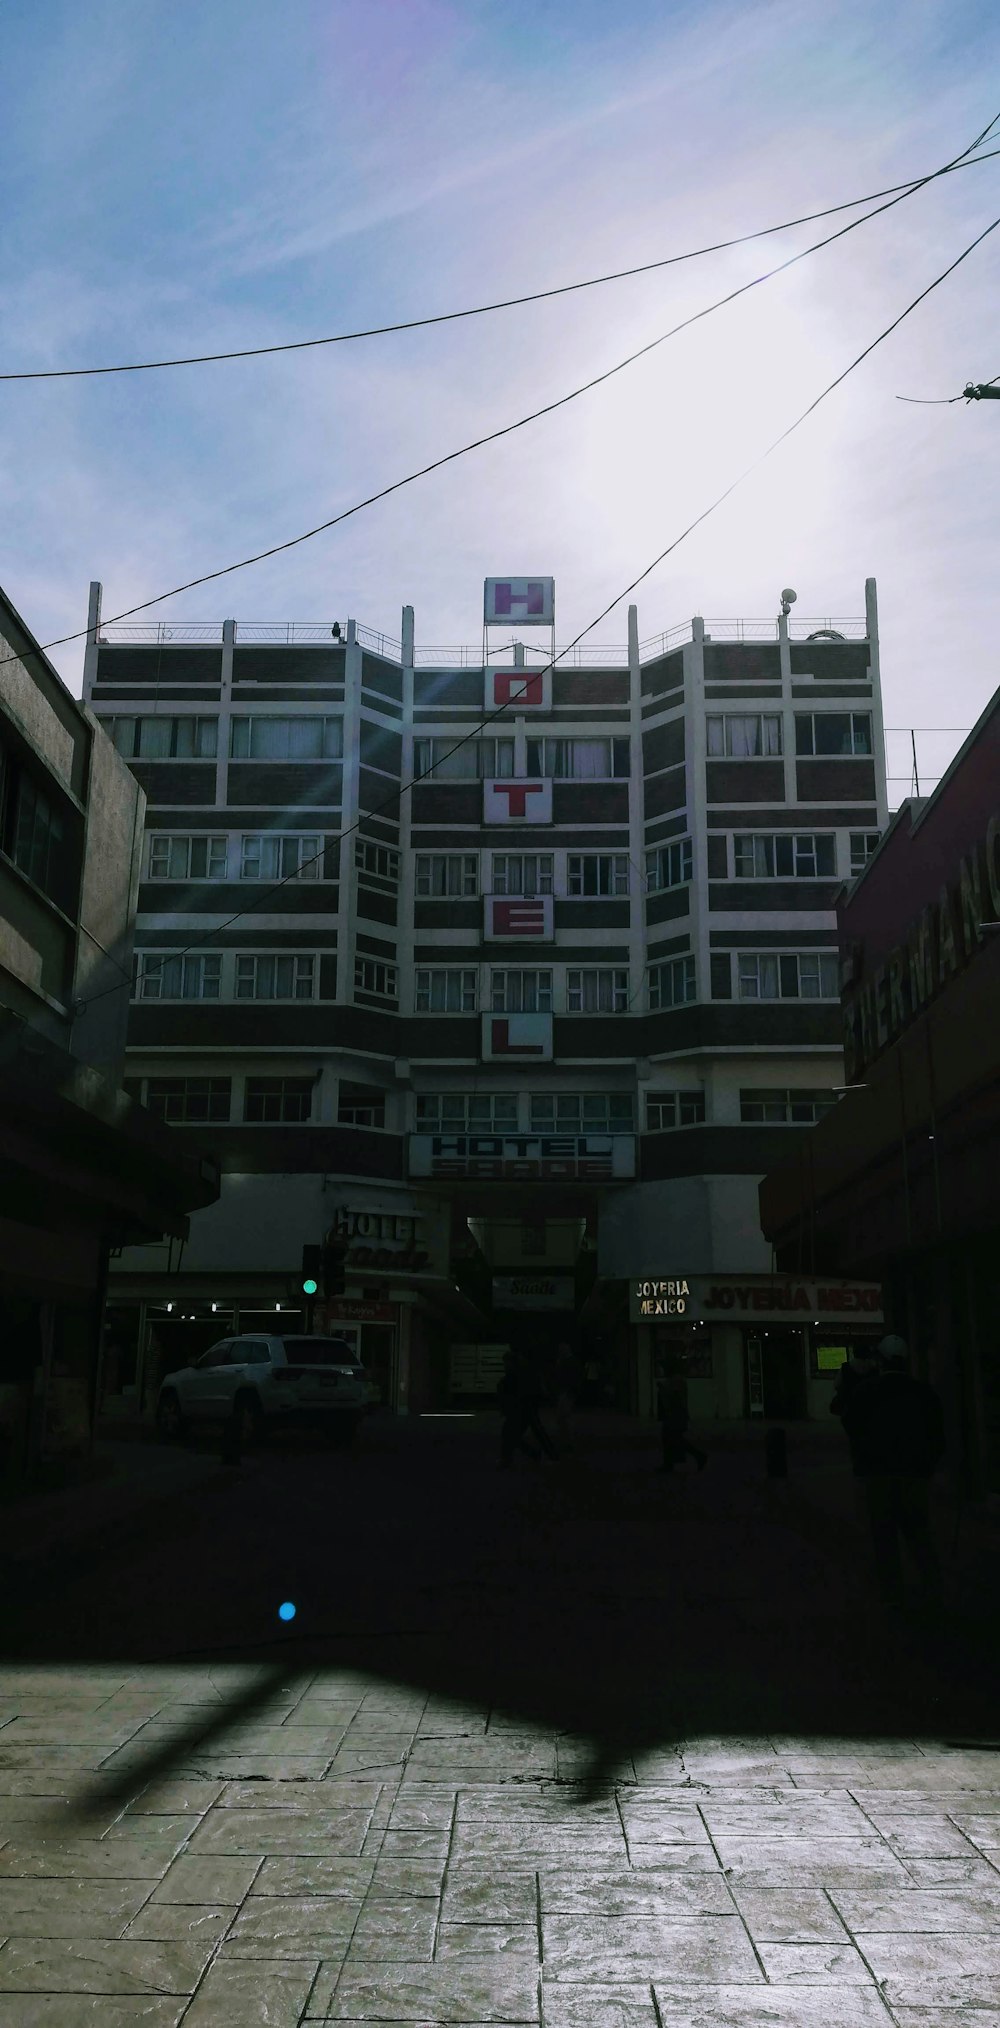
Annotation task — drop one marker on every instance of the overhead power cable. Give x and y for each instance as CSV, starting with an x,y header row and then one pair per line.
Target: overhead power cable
x,y
508,429
966,161
392,801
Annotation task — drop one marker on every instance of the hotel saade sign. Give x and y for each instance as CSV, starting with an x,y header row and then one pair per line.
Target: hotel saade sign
x,y
519,601
518,690
526,802
518,919
524,1158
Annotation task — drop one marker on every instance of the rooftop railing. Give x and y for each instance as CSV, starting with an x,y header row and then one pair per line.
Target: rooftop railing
x,y
581,655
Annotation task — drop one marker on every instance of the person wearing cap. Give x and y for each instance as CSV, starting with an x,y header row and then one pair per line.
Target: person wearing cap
x,y
895,1427
855,1373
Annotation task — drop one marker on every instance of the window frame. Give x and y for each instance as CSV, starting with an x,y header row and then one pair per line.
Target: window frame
x,y
309,865
796,841
464,973
770,1098
860,866
499,988
256,959
727,719
546,755
390,874
618,865
152,964
306,1088
680,1100
660,856
463,1122
467,864
493,747
671,967
782,959
563,1105
182,1116
544,879
189,839
203,748
808,719
618,992
388,988
365,1099
331,737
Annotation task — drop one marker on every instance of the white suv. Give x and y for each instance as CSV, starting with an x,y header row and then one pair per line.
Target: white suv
x,y
256,1381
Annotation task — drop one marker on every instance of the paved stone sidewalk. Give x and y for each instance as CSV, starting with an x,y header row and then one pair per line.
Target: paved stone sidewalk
x,y
355,1852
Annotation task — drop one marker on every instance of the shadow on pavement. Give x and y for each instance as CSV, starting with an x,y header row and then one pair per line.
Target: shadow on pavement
x,y
588,1599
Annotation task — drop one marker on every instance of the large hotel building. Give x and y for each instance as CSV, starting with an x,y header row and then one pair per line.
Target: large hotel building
x,y
524,1036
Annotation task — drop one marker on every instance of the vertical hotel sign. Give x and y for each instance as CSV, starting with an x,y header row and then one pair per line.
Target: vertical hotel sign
x,y
519,601
509,802
521,1038
518,689
518,919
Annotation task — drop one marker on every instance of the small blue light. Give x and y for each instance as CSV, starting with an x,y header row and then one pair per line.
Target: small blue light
x,y
286,1611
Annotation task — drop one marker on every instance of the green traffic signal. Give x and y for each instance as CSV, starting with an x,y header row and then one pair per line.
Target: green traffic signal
x,y
309,1287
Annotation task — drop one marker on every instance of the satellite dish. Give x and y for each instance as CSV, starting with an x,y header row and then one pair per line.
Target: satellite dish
x,y
788,598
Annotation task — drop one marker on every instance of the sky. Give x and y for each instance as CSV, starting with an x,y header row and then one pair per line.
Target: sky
x,y
177,178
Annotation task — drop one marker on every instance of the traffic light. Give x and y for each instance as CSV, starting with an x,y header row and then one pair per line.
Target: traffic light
x,y
312,1271
334,1257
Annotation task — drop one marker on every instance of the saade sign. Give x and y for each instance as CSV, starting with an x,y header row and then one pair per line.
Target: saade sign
x,y
524,1158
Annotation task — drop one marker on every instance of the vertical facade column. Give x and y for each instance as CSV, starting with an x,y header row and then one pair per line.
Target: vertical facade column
x,y
695,756
878,725
636,829
93,636
349,806
404,904
225,714
787,712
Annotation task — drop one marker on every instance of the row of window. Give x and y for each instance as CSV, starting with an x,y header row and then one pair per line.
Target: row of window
x,y
449,757
188,1101
279,856
454,989
756,735
32,830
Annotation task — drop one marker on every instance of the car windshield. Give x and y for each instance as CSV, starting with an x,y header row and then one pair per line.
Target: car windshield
x,y
319,1352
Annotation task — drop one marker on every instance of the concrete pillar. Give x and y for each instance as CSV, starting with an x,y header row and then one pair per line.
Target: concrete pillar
x,y
93,635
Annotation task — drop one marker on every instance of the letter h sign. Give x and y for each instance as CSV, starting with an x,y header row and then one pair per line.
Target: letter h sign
x,y
526,601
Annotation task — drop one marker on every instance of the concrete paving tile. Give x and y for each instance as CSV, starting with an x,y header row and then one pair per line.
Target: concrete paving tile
x,y
805,1817
301,1798
268,1993
789,1915
599,2006
672,1895
49,1757
955,1996
415,1844
964,2015
797,1861
314,1874
478,1892
322,1924
88,2010
63,1908
908,1959
470,1990
84,1728
348,1763
477,1939
52,1810
791,2006
680,1858
395,1879
188,1921
213,1765
918,1836
394,1932
981,1826
972,1872
270,1832
664,1827
633,1947
206,1880
478,1759
176,1798
83,1859
814,1964
918,1911
97,1966
422,1813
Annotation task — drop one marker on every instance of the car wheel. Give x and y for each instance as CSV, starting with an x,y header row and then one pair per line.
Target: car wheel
x,y
248,1419
169,1420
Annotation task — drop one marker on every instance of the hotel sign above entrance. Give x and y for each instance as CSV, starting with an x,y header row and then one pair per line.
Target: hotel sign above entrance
x,y
524,1158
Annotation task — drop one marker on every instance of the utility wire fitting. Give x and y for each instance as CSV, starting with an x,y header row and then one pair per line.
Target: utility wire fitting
x,y
985,391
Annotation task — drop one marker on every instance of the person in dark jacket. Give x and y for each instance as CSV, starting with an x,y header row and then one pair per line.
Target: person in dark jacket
x,y
895,1428
520,1395
854,1374
672,1408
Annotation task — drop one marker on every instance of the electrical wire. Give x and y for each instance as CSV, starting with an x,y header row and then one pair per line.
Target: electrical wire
x,y
508,429
507,302
393,800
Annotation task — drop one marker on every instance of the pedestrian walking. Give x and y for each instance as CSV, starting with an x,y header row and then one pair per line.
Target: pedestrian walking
x,y
566,1381
520,1394
672,1408
895,1428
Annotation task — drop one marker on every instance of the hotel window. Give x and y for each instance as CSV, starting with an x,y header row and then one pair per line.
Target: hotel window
x,y
669,865
863,844
177,858
444,989
451,758
273,976
360,1105
793,975
736,736
380,862
440,874
598,1112
598,990
484,1112
674,1109
671,984
372,976
784,856
833,732
164,738
274,855
278,1099
785,1108
286,739
192,977
186,1101
521,992
597,873
525,873
579,760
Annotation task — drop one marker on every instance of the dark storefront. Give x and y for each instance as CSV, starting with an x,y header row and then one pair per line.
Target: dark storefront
x,y
900,1182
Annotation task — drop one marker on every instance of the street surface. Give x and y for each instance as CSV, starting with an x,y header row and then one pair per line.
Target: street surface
x,y
573,1745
